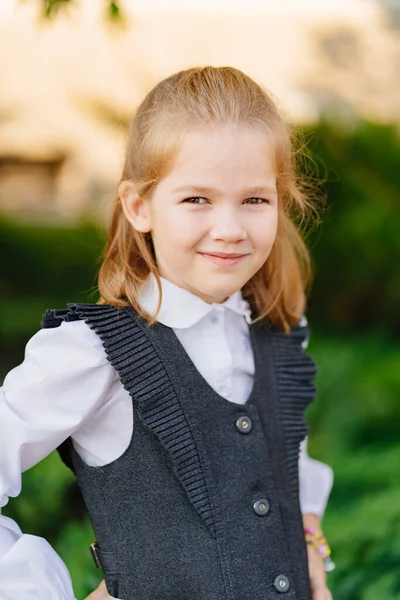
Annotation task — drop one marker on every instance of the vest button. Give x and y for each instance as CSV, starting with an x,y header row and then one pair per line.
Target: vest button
x,y
282,584
244,424
261,507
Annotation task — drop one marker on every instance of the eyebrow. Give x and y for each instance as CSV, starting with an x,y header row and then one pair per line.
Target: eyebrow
x,y
259,189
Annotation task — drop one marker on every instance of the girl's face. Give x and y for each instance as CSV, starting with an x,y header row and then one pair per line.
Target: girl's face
x,y
213,218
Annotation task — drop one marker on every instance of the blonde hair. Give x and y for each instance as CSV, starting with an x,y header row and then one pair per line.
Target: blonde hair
x,y
198,97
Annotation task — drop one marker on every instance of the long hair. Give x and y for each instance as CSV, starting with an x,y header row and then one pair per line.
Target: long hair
x,y
206,96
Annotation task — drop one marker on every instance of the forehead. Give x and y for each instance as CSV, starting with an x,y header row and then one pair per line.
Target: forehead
x,y
229,154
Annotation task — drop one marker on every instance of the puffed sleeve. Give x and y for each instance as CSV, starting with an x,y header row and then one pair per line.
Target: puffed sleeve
x,y
63,379
316,480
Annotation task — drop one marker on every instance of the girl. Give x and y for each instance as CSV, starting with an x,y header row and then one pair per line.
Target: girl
x,y
178,399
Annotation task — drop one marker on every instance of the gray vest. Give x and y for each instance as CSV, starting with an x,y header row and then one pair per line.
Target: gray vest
x,y
204,503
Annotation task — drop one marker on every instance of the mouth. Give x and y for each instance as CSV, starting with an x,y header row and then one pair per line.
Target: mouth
x,y
223,258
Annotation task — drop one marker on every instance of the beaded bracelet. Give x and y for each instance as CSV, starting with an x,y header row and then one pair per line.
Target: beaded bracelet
x,y
316,538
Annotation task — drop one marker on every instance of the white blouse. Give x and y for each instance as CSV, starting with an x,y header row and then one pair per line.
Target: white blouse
x,y
66,387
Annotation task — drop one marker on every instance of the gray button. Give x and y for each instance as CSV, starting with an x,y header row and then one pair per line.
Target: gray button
x,y
261,507
214,318
244,424
282,584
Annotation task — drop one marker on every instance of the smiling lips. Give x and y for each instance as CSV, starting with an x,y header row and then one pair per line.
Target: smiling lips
x,y
223,258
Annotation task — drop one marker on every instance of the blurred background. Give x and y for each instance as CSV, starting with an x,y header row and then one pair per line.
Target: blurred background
x,y
72,73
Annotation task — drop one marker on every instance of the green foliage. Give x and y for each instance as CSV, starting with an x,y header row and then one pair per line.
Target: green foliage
x,y
355,425
42,267
48,262
52,7
357,249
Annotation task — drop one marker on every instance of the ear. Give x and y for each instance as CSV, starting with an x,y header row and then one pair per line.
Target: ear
x,y
136,210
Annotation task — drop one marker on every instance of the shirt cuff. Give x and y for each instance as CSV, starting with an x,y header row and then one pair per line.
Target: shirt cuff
x,y
29,567
316,480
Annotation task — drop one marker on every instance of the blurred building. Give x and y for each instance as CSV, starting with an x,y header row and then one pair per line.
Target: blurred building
x,y
69,85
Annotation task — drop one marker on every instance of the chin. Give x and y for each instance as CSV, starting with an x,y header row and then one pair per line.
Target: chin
x,y
219,294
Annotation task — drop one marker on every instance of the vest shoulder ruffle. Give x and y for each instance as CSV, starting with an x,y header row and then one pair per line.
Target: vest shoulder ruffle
x,y
53,317
295,373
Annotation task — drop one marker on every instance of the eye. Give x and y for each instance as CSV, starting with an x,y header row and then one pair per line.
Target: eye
x,y
195,200
256,201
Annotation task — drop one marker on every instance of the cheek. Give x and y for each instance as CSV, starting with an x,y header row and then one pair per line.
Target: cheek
x,y
264,230
180,230
175,239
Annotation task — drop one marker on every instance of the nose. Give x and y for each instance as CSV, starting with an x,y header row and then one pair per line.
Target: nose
x,y
227,226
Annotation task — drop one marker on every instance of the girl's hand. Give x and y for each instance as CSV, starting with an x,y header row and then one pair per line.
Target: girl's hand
x,y
100,593
317,575
315,563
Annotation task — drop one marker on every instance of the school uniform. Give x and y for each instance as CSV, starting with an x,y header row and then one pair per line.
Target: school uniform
x,y
202,499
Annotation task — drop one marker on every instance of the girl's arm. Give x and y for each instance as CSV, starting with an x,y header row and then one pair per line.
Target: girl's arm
x,y
63,379
316,479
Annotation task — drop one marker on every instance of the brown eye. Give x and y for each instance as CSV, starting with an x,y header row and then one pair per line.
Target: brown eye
x,y
256,201
195,200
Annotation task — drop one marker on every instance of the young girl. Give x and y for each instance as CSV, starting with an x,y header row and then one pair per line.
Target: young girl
x,y
178,400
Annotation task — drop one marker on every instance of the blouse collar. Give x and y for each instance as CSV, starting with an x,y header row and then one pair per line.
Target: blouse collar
x,y
180,308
